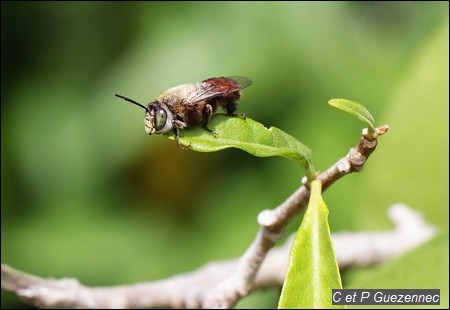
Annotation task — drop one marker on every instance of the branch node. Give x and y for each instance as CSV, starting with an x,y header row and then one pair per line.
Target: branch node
x,y
381,130
357,159
344,166
374,134
305,181
267,218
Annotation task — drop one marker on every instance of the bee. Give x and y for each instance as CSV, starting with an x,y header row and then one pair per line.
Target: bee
x,y
189,104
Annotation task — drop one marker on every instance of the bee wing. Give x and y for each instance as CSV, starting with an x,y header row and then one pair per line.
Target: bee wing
x,y
203,92
242,81
215,87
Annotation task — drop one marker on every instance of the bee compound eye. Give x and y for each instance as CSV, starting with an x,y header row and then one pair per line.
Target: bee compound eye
x,y
161,119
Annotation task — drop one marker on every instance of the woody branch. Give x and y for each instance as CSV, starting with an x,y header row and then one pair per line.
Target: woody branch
x,y
273,222
187,290
222,284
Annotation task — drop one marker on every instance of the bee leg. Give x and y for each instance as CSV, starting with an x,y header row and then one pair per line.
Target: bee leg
x,y
176,132
230,107
241,115
207,112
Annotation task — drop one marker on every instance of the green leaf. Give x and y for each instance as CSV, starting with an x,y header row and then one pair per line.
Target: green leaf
x,y
357,110
247,135
313,271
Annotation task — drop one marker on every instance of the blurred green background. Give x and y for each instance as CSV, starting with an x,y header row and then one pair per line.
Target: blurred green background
x,y
85,193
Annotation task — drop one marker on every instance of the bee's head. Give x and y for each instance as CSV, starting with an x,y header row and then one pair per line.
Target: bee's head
x,y
158,117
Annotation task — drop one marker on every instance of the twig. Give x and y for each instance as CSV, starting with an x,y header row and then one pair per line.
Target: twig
x,y
188,289
273,222
241,280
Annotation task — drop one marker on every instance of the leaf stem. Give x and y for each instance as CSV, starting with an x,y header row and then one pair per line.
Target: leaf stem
x,y
311,174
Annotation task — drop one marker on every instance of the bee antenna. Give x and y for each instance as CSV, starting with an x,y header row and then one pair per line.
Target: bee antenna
x,y
133,102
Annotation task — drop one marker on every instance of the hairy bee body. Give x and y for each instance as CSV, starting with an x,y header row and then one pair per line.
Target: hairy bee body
x,y
193,103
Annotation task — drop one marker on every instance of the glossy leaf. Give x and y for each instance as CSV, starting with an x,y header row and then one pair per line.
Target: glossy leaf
x,y
357,110
313,271
245,134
